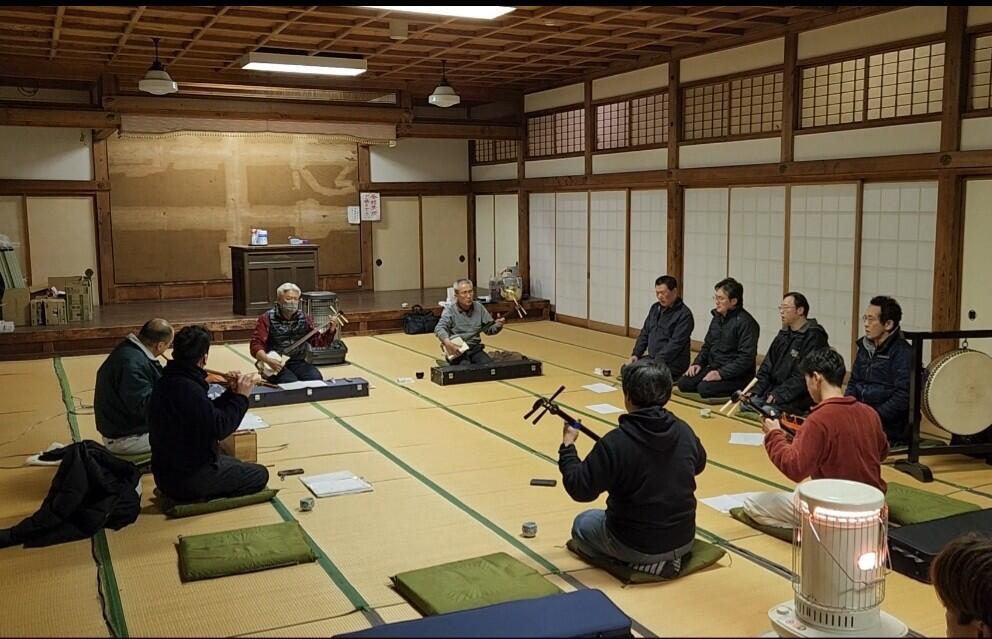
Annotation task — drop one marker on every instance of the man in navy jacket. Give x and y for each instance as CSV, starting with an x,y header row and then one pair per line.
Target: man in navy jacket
x,y
881,372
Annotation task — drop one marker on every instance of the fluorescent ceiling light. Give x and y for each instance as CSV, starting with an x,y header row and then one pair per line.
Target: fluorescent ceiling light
x,y
312,64
483,13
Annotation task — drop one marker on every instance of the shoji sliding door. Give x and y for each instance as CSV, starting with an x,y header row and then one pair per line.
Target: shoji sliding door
x,y
506,219
897,249
542,245
757,254
821,257
648,250
608,258
571,254
485,240
705,251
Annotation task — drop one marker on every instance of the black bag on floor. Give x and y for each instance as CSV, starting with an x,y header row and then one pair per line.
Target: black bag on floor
x,y
419,321
91,490
913,548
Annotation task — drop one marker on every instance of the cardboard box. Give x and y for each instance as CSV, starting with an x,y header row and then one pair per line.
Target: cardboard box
x,y
17,306
78,294
38,312
241,445
56,311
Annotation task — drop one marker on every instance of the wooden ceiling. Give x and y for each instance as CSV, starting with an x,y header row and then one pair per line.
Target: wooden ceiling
x,y
531,48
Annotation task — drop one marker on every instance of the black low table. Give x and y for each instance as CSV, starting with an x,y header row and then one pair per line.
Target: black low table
x,y
467,373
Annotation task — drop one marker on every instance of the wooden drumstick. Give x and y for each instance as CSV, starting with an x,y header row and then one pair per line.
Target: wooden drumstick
x,y
732,405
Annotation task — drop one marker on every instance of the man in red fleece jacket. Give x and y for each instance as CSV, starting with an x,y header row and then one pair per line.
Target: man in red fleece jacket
x,y
841,439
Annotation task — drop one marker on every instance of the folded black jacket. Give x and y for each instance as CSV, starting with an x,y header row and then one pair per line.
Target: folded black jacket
x,y
91,490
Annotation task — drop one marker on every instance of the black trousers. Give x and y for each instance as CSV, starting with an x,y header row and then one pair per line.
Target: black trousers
x,y
297,370
474,355
227,477
722,388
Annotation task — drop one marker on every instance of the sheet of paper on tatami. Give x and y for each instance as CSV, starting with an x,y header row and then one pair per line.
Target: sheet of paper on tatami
x,y
451,469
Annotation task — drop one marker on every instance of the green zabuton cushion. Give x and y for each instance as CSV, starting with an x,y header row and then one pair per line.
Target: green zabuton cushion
x,y
781,532
471,583
908,505
174,509
696,397
234,552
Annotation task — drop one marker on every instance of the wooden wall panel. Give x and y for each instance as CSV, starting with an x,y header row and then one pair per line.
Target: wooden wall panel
x,y
178,202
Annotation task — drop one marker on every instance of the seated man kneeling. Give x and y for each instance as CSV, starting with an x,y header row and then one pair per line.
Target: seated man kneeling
x,y
186,427
279,328
841,439
648,467
465,319
124,384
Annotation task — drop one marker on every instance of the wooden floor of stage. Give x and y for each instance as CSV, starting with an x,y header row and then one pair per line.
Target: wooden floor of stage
x,y
368,312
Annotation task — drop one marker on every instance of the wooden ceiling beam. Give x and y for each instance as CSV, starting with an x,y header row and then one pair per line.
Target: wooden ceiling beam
x,y
73,118
138,11
268,37
247,109
199,34
56,31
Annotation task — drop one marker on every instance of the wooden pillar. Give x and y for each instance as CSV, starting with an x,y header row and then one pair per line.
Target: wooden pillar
x,y
790,89
590,132
472,257
955,80
365,228
523,236
674,116
949,240
676,225
104,224
947,269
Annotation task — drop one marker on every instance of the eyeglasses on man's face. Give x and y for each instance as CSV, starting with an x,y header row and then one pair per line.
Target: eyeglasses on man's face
x,y
784,307
870,319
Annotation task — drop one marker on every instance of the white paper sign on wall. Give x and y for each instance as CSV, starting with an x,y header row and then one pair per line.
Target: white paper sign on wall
x,y
354,214
370,207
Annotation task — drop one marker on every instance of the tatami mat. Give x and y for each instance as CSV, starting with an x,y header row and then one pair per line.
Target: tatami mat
x,y
451,468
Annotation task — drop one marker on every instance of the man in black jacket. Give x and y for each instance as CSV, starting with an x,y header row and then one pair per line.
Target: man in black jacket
x,y
667,330
124,385
648,467
186,427
726,361
882,367
780,383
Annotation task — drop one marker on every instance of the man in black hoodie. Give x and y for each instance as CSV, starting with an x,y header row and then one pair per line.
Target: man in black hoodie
x,y
780,383
648,467
186,426
726,361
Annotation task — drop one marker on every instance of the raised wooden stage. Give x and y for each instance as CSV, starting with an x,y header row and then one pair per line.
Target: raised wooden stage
x,y
368,313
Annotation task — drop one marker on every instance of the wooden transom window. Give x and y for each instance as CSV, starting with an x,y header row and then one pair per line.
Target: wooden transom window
x,y
555,134
741,106
980,77
892,84
487,151
633,122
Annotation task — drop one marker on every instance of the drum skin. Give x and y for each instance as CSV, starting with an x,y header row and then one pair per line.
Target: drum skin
x,y
957,395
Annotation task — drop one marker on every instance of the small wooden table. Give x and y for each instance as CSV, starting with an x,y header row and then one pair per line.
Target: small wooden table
x,y
257,271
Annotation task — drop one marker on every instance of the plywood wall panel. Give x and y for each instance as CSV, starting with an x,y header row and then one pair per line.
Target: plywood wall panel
x,y
178,202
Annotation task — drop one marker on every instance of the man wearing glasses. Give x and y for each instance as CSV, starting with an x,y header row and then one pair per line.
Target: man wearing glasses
x,y
726,361
880,375
779,381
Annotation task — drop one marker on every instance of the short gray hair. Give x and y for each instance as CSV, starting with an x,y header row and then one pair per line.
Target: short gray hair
x,y
288,286
463,280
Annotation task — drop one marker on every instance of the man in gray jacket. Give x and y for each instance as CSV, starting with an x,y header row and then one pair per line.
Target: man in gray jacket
x,y
124,385
466,319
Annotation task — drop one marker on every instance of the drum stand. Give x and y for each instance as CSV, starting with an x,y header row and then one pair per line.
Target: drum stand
x,y
911,465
